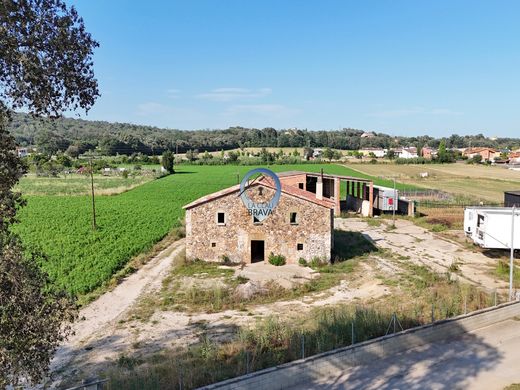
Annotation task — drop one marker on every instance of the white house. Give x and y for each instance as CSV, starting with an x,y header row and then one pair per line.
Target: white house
x,y
378,152
22,152
410,152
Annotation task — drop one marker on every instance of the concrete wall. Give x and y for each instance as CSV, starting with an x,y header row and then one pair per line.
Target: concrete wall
x,y
358,205
208,240
325,364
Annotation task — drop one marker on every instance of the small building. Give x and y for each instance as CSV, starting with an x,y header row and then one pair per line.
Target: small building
x,y
488,154
300,226
377,152
317,153
368,134
512,198
429,153
514,157
410,152
22,152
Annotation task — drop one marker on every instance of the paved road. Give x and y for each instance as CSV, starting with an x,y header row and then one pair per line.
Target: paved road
x,y
485,359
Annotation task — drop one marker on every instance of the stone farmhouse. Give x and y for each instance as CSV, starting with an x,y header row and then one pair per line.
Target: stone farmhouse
x,y
301,226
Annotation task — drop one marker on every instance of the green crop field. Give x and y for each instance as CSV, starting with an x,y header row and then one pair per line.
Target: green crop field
x,y
80,259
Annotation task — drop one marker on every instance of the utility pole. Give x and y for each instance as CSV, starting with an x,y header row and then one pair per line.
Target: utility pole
x,y
512,256
94,226
393,207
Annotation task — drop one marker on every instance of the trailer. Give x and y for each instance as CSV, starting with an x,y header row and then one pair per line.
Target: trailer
x,y
491,227
385,198
471,218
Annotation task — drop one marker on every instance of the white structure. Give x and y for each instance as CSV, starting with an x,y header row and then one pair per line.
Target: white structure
x,y
490,227
378,152
22,152
406,152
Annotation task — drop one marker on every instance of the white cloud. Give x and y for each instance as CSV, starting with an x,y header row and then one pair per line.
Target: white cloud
x,y
173,93
274,110
230,94
152,108
399,113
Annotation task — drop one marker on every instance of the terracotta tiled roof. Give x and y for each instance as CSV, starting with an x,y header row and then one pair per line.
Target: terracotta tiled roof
x,y
299,193
287,189
478,150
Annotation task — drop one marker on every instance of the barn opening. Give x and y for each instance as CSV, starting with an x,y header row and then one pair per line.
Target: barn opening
x,y
257,251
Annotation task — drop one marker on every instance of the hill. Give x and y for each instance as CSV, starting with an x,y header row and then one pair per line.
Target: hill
x,y
52,136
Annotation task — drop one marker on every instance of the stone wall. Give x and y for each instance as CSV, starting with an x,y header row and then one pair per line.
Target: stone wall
x,y
208,240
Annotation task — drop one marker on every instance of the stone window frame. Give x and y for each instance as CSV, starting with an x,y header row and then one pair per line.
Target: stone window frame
x,y
213,244
216,218
299,246
296,219
257,222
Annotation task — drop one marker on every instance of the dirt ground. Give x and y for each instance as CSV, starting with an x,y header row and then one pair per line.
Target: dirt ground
x,y
426,248
107,330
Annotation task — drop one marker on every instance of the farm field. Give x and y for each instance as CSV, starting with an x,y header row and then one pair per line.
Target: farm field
x,y
478,182
80,259
76,184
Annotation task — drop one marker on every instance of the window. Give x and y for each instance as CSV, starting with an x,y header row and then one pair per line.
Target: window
x,y
293,219
299,247
300,186
256,221
213,244
221,218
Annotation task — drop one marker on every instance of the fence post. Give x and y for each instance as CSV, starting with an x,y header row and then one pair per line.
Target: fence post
x,y
303,346
247,361
181,381
465,304
495,296
433,313
353,334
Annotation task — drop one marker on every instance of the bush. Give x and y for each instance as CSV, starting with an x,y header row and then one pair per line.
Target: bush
x,y
225,260
317,262
302,262
276,259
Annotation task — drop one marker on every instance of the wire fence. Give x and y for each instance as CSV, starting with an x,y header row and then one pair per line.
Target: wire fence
x,y
278,342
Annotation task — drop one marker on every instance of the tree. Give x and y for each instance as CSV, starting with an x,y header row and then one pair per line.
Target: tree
x,y
328,153
443,155
45,68
308,153
167,161
25,311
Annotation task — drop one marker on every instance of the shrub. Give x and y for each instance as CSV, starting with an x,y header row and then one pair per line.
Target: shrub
x,y
317,262
276,259
302,262
225,260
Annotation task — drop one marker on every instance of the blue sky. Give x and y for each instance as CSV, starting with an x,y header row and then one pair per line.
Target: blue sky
x,y
400,67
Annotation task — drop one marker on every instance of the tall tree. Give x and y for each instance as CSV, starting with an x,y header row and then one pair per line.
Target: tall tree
x,y
45,68
167,161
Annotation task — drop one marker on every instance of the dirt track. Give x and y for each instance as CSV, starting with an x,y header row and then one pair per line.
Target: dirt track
x,y
107,332
424,247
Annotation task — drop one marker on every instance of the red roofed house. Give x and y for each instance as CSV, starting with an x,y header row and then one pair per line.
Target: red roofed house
x,y
300,226
488,154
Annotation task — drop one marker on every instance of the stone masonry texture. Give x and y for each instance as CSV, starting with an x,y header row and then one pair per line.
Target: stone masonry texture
x,y
208,240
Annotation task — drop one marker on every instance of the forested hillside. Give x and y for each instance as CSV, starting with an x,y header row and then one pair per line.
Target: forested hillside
x,y
77,135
